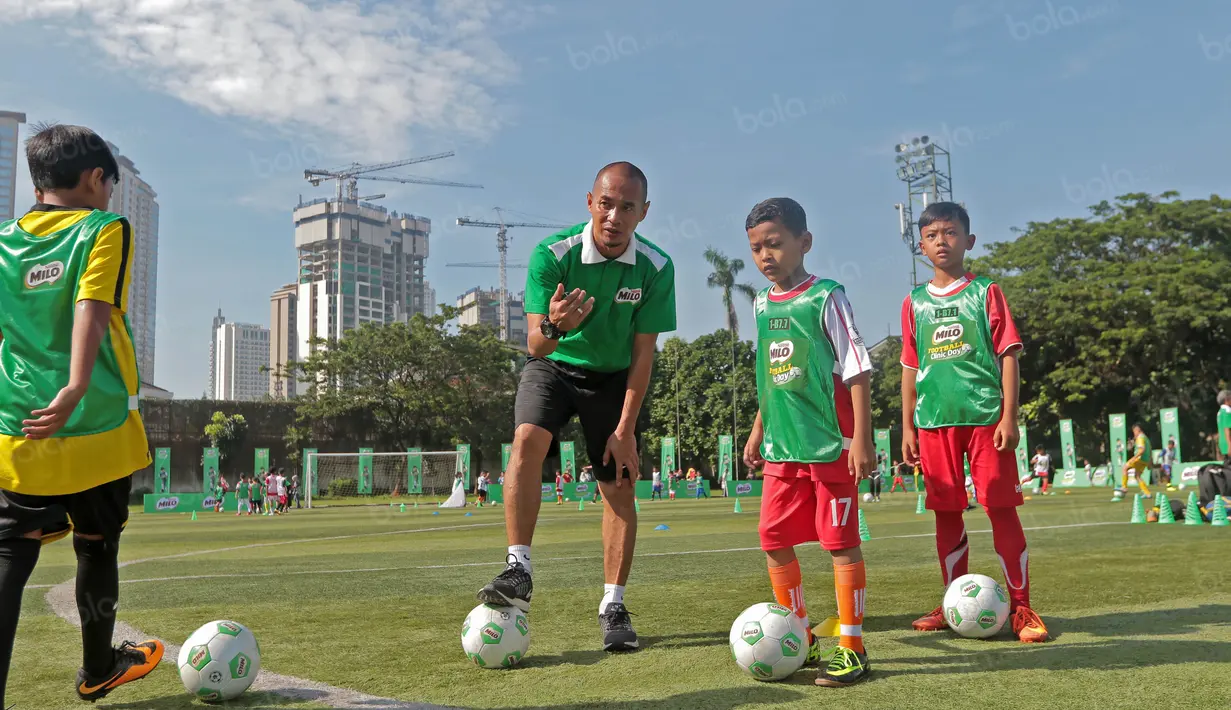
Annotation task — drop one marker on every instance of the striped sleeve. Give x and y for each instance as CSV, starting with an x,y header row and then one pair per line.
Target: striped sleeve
x,y
108,274
839,320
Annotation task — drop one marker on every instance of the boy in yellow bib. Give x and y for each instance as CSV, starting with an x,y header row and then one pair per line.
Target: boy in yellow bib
x,y
70,432
1140,463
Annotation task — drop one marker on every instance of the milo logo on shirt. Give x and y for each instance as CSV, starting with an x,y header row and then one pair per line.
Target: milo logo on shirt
x,y
947,342
44,274
781,371
628,295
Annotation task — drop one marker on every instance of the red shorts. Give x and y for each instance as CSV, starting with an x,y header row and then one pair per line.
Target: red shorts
x,y
803,503
282,500
944,477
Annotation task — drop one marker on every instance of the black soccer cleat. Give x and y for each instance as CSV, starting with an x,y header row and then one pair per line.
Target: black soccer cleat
x,y
512,587
618,633
133,661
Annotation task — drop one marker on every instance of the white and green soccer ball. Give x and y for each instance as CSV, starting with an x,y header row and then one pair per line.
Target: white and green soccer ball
x,y
769,642
976,606
495,636
219,661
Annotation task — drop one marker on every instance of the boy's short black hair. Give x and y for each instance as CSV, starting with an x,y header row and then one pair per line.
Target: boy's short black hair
x,y
945,211
58,155
783,209
1039,447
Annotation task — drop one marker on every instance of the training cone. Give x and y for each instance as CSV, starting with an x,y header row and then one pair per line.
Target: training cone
x,y
919,506
1219,517
402,509
435,512
581,505
636,506
1139,512
1165,516
1192,511
194,515
828,627
467,515
416,505
738,509
661,527
864,533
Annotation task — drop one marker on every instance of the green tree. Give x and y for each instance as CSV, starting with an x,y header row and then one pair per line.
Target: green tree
x,y
227,434
886,389
725,277
1128,310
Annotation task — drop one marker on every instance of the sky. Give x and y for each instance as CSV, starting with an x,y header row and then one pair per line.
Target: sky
x,y
1046,107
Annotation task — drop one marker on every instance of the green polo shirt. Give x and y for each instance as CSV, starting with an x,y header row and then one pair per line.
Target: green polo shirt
x,y
633,293
1224,423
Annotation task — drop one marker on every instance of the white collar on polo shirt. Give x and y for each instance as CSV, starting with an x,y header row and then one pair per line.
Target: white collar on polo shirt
x,y
591,255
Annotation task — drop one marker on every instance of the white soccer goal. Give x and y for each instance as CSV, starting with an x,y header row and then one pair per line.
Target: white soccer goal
x,y
349,478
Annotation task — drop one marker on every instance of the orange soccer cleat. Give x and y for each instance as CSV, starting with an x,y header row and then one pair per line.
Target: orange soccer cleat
x,y
932,621
1028,626
133,661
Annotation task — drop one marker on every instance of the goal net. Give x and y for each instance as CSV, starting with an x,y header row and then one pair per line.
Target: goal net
x,y
351,478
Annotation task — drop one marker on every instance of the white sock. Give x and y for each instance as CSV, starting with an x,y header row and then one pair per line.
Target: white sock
x,y
612,594
522,553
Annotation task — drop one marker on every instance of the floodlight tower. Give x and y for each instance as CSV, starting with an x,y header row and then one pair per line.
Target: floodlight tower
x,y
925,168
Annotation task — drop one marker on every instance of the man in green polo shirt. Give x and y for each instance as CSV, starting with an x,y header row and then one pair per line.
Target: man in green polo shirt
x,y
597,296
1224,425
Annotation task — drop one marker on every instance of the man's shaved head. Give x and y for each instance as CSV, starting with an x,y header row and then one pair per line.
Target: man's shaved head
x,y
626,170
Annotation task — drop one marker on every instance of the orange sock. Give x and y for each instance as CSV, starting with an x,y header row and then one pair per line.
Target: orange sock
x,y
788,584
852,588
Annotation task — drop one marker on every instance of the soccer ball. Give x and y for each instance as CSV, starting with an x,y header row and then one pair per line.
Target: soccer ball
x,y
769,642
867,497
495,636
976,606
219,661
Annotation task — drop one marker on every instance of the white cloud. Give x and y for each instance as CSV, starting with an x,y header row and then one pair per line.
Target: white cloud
x,y
363,75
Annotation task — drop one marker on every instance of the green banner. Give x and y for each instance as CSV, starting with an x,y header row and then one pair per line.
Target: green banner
x,y
568,459
1072,478
667,456
506,453
463,463
883,458
1068,454
1023,453
162,471
726,450
414,470
209,470
185,502
364,485
1169,421
1119,438
315,464
260,463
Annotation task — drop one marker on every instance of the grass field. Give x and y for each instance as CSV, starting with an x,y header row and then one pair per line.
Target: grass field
x,y
371,599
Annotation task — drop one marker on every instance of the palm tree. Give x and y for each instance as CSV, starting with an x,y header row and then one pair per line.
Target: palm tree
x,y
723,277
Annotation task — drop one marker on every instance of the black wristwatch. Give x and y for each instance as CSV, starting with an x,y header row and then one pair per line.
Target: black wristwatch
x,y
550,330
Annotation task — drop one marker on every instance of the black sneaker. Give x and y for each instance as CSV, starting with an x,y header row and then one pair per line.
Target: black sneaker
x,y
845,667
512,587
133,661
618,634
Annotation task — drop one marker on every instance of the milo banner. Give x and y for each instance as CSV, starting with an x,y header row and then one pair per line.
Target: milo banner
x,y
364,485
162,471
209,470
667,456
1101,477
414,470
726,444
506,453
1023,453
309,471
568,460
1118,442
882,447
260,463
463,463
1067,454
1169,420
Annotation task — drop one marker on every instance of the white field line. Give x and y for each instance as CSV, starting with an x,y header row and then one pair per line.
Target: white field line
x,y
369,570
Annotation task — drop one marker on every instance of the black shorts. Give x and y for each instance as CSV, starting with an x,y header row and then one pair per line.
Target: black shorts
x,y
550,393
102,510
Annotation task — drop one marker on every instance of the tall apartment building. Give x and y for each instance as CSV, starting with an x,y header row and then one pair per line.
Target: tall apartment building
x,y
219,320
136,200
10,150
480,306
241,351
358,263
429,299
282,341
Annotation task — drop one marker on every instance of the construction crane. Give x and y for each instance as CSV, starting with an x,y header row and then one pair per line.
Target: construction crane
x,y
486,265
370,198
502,246
350,175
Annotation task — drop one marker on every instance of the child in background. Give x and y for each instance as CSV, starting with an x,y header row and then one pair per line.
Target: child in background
x,y
241,496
